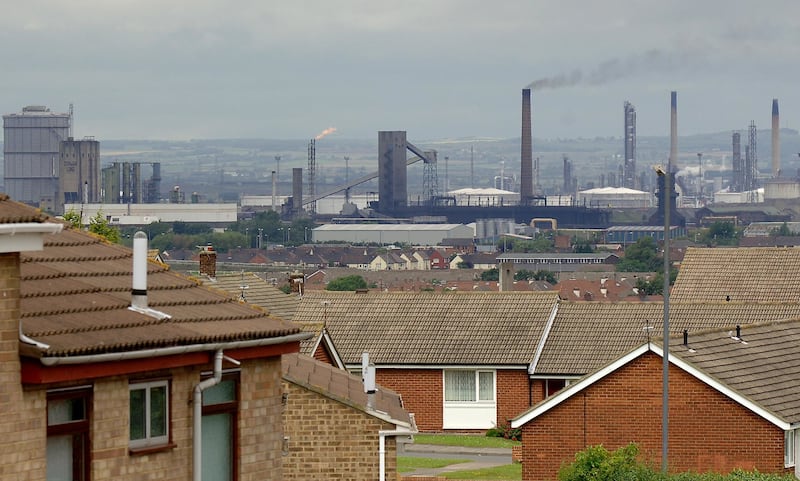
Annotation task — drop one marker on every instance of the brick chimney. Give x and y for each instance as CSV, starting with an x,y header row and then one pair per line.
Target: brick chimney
x,y
208,261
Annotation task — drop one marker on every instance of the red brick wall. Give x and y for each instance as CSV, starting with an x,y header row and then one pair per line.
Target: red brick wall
x,y
512,394
707,431
322,354
422,393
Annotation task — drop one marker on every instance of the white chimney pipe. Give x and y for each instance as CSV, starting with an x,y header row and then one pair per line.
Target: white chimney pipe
x,y
139,291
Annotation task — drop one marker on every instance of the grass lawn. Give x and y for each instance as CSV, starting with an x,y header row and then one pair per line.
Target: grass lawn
x,y
509,472
406,464
468,440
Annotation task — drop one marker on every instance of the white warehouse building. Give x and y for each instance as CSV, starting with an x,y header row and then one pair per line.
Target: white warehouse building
x,y
619,197
143,214
414,234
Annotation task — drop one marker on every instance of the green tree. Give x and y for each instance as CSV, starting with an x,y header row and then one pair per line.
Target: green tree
x,y
722,233
492,274
73,219
540,275
347,283
783,231
641,256
99,225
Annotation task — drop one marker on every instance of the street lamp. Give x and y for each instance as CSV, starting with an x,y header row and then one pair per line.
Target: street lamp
x,y
305,234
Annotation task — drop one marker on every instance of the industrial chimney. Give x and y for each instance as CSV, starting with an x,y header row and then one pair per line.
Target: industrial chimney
x,y
526,155
776,143
673,132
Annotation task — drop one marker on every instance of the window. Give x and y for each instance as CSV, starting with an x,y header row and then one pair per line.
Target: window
x,y
220,405
468,386
788,448
149,414
68,434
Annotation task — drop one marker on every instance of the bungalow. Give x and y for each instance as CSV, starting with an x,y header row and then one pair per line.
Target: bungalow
x,y
114,367
461,361
732,404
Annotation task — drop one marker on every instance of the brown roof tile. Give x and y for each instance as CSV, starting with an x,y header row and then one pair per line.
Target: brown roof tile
x,y
765,369
75,296
12,212
745,274
429,328
587,335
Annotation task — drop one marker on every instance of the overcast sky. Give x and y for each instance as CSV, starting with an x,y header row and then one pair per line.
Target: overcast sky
x,y
288,69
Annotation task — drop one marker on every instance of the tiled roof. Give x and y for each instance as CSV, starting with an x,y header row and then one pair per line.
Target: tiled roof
x,y
251,288
344,387
12,212
76,292
765,370
587,335
745,274
485,328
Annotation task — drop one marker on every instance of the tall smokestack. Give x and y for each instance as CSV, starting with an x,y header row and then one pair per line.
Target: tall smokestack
x,y
673,132
526,156
776,142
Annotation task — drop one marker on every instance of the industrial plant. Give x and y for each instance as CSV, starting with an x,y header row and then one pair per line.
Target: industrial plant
x,y
47,167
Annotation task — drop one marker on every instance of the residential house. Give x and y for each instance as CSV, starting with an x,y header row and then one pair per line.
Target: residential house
x,y
584,336
438,259
461,360
359,258
250,288
334,429
744,274
732,404
416,260
387,261
479,260
116,368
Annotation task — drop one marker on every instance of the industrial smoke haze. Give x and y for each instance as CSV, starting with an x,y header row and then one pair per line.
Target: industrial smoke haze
x,y
325,132
652,61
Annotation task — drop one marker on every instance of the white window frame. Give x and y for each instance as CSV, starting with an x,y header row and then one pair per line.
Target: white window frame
x,y
149,440
789,448
477,373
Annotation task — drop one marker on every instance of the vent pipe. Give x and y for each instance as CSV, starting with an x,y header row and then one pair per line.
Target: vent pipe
x,y
686,337
776,143
139,291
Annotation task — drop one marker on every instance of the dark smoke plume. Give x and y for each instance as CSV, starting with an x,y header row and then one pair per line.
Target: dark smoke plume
x,y
647,62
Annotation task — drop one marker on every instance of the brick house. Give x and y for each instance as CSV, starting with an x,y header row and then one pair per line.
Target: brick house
x,y
461,361
109,375
585,336
438,259
732,404
333,429
254,290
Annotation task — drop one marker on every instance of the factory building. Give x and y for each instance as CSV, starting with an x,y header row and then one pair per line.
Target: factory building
x,y
616,197
413,234
143,214
32,148
78,173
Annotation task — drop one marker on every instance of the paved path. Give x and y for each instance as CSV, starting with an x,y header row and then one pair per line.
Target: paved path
x,y
479,458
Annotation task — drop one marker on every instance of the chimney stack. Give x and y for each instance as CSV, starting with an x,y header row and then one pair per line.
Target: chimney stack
x,y
776,143
208,261
526,155
673,132
139,290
